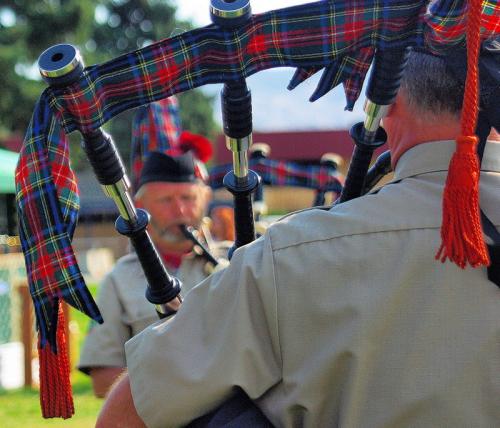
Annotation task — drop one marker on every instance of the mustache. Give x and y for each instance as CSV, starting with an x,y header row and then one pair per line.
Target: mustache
x,y
171,233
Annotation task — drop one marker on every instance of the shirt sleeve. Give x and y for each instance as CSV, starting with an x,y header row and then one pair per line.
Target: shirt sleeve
x,y
225,335
104,343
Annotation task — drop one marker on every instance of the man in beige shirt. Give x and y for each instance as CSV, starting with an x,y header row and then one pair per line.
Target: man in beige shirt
x,y
174,195
341,317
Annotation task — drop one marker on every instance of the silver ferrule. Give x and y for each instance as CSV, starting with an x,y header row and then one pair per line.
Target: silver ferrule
x,y
239,147
230,14
169,308
374,115
65,68
119,193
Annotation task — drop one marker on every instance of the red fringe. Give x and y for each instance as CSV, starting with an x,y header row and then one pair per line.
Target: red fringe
x,y
461,231
56,399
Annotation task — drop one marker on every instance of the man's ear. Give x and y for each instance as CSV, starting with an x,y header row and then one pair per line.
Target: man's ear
x,y
139,196
138,201
207,195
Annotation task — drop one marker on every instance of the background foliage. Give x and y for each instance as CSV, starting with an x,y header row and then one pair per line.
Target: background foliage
x,y
101,30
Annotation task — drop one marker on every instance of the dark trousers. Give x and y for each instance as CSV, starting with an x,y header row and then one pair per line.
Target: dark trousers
x,y
238,412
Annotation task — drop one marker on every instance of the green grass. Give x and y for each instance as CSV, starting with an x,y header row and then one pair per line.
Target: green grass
x,y
21,408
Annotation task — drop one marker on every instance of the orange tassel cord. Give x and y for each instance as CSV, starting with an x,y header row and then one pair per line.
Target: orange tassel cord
x,y
461,231
56,398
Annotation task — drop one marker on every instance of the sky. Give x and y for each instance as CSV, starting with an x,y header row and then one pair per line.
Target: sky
x,y
198,10
274,107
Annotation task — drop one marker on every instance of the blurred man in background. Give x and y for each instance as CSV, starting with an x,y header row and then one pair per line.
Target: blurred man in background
x,y
170,186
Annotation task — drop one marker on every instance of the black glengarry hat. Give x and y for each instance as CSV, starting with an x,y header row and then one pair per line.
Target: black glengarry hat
x,y
165,168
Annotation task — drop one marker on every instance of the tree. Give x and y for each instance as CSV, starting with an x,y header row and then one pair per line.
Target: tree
x,y
101,30
124,25
26,29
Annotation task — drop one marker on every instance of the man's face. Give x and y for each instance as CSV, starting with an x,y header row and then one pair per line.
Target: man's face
x,y
170,205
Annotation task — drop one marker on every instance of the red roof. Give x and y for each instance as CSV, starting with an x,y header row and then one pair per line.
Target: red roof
x,y
13,142
296,145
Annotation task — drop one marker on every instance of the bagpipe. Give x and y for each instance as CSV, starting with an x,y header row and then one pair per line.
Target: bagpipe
x,y
339,37
322,177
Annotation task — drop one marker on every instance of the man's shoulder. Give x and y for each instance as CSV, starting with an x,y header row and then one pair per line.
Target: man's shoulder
x,y
126,265
396,207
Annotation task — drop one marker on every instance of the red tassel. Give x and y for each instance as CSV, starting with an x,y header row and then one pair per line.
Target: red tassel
x,y
461,231
56,397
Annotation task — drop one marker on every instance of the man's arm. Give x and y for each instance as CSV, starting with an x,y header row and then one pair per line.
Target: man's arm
x,y
224,335
103,378
103,355
119,409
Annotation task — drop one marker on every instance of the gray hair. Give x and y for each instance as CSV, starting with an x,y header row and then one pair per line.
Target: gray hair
x,y
430,88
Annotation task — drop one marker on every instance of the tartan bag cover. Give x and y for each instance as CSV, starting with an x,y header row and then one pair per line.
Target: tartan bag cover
x,y
285,173
338,36
156,127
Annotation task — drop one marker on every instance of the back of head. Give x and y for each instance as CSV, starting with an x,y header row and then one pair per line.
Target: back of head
x,y
430,88
434,85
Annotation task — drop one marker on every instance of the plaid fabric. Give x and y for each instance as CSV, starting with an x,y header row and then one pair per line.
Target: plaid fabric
x,y
285,173
156,127
47,202
319,34
350,70
338,36
447,20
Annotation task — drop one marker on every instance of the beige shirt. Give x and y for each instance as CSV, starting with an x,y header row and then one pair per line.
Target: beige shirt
x,y
126,311
339,318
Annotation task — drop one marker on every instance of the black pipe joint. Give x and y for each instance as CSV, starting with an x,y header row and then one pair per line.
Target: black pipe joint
x,y
104,158
385,78
243,209
237,187
361,158
380,169
162,288
357,133
236,103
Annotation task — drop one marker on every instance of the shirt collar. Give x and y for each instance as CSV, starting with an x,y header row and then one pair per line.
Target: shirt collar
x,y
435,156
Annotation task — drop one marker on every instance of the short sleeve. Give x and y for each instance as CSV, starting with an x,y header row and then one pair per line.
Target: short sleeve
x,y
104,343
224,335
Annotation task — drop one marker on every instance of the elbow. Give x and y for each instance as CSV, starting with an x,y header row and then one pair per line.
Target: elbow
x,y
98,393
103,378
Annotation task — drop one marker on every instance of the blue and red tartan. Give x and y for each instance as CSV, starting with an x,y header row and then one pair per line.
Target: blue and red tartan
x,y
156,127
286,173
337,36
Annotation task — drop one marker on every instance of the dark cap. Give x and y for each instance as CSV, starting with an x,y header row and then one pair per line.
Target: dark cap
x,y
165,168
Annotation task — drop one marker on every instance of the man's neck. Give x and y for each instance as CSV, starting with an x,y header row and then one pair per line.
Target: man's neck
x,y
407,128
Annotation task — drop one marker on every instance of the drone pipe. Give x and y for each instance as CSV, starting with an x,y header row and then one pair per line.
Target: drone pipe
x,y
236,100
60,66
383,86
